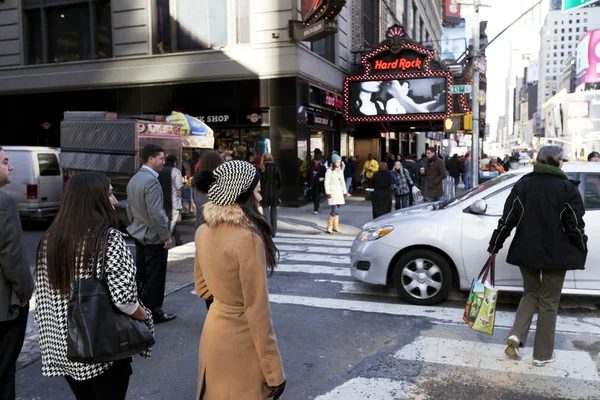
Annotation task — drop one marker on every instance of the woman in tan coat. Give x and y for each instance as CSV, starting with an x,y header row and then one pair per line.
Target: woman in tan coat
x,y
239,357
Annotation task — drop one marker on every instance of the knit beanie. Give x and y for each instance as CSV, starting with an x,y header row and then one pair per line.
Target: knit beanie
x,y
230,183
335,157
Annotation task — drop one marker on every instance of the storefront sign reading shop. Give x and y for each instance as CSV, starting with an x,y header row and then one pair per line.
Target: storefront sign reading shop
x,y
244,118
402,82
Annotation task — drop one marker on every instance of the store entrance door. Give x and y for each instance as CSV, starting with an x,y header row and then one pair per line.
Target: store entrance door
x,y
317,141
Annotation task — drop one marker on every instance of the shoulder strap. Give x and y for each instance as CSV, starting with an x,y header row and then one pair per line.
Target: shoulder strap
x,y
100,254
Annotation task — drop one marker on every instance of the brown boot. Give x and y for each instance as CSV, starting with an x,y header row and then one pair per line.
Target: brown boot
x,y
330,224
336,224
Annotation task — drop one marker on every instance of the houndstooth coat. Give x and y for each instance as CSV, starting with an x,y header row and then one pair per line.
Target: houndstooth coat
x,y
51,308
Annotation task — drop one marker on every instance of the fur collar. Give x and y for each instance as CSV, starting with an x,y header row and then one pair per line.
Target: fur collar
x,y
215,215
549,170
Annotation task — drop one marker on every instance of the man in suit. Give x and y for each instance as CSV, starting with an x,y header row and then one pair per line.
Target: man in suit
x,y
150,230
16,285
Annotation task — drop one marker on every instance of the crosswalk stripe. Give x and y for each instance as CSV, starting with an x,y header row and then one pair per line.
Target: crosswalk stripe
x,y
313,249
437,314
370,388
314,258
315,242
323,236
313,269
472,354
354,287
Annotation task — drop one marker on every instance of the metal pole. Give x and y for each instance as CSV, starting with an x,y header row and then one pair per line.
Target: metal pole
x,y
475,98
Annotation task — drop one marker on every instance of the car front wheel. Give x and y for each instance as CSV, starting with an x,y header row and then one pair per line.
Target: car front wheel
x,y
422,277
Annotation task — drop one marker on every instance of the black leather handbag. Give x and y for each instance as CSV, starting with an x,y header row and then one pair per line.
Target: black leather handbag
x,y
98,331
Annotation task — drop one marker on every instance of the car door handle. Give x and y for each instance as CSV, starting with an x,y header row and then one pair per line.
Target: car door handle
x,y
44,199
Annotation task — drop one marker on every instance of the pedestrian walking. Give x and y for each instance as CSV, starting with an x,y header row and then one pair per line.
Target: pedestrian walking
x,y
468,163
171,183
382,191
454,167
349,173
335,189
316,177
547,211
239,357
16,285
66,253
402,185
209,161
270,183
150,230
371,166
434,173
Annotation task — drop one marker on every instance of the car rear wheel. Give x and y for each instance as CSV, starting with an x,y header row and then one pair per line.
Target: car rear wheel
x,y
422,277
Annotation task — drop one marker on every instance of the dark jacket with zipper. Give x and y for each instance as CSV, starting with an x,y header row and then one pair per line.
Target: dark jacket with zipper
x,y
270,183
547,210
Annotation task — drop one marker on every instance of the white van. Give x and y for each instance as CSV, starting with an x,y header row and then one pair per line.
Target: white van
x,y
36,181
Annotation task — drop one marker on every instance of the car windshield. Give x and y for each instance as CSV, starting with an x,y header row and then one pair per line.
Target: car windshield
x,y
475,191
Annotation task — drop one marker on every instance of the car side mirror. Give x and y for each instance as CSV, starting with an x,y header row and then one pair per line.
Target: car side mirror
x,y
478,207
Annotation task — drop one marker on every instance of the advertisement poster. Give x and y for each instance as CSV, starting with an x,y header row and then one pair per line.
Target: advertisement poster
x,y
425,95
454,42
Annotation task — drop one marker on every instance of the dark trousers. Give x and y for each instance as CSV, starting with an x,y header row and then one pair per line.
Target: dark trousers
x,y
316,194
401,201
151,262
12,335
271,216
111,385
541,295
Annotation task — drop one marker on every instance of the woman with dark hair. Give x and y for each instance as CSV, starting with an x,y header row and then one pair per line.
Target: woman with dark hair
x,y
270,182
239,357
547,211
382,191
209,161
594,156
65,254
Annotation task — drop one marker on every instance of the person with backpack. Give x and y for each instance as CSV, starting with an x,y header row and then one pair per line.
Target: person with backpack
x,y
401,185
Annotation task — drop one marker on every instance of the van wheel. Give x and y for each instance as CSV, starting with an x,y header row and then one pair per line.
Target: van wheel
x,y
422,277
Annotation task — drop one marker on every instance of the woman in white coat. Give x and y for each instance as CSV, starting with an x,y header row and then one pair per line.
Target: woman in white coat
x,y
335,188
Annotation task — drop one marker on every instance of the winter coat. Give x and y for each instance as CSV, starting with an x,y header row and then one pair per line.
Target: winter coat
x,y
315,173
370,167
171,183
335,185
402,182
547,210
238,347
454,167
382,194
435,173
270,184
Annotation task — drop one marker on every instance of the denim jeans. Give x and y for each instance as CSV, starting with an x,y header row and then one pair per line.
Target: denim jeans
x,y
348,183
468,180
335,211
271,216
401,201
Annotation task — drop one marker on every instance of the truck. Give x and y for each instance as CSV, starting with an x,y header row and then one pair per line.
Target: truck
x,y
101,142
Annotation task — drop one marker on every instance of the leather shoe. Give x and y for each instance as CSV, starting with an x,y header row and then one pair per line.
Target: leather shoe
x,y
162,316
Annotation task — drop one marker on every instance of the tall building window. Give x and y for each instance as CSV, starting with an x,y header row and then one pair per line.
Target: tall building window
x,y
182,25
242,21
414,22
325,48
61,31
369,21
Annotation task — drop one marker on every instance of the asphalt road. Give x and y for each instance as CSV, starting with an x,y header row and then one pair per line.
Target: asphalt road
x,y
341,340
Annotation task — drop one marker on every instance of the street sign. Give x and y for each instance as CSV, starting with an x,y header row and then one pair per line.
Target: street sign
x,y
460,89
479,65
570,5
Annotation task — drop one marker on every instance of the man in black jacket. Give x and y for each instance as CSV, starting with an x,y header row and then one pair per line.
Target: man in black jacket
x,y
16,285
547,210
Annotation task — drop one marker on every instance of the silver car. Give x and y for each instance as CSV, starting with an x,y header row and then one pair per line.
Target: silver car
x,y
426,249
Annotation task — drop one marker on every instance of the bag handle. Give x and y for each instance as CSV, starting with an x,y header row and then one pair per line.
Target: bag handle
x,y
104,238
488,268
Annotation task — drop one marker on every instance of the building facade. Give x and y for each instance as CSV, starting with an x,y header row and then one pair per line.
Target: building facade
x,y
230,62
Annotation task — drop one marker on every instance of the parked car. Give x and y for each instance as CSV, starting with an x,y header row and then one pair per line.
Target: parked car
x,y
37,180
426,249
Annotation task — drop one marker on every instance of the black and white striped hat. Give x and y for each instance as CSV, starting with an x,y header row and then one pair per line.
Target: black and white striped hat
x,y
232,182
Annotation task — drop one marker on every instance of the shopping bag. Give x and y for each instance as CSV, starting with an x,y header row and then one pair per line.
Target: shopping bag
x,y
417,195
480,311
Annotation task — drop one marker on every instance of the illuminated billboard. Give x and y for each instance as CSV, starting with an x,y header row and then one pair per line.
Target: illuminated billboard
x,y
402,82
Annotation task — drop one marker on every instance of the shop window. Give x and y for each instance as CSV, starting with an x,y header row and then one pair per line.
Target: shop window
x,y
59,31
325,48
591,196
183,25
